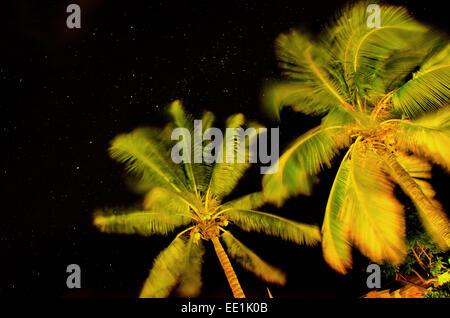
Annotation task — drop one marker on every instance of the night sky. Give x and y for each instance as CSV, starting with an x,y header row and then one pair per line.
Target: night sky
x,y
66,93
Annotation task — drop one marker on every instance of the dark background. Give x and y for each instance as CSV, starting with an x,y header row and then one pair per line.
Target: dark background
x,y
64,95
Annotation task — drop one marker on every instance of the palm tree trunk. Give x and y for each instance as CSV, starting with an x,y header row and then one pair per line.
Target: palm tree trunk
x,y
228,269
434,220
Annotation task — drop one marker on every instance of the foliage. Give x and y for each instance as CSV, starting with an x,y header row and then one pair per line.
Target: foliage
x,y
383,95
192,195
439,292
424,261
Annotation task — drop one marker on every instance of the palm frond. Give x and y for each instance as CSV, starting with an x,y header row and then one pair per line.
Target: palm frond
x,y
251,262
179,115
336,245
202,170
207,120
417,167
190,281
392,73
340,117
250,220
277,95
171,203
361,49
165,272
248,202
429,89
377,223
314,88
228,170
428,136
144,223
299,164
138,185
147,157
198,172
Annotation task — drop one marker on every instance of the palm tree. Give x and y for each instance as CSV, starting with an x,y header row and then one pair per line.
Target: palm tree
x,y
383,94
190,195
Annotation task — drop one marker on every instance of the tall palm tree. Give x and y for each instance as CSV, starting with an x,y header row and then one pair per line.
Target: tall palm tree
x,y
190,195
383,95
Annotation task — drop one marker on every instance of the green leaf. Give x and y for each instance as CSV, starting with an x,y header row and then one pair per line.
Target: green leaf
x,y
377,225
227,170
427,91
336,229
144,223
179,116
147,157
248,202
274,225
251,262
299,164
198,173
171,203
190,281
314,87
361,49
165,272
362,210
277,95
444,278
207,120
428,136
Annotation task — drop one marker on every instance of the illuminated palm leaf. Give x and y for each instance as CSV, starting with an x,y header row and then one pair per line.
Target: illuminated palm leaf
x,y
231,162
314,88
165,272
190,281
361,50
428,136
137,222
293,94
416,167
377,222
274,225
207,120
248,202
397,69
179,117
171,203
198,173
428,90
336,243
298,166
146,157
251,262
362,210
